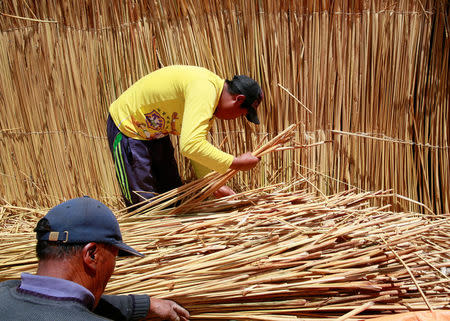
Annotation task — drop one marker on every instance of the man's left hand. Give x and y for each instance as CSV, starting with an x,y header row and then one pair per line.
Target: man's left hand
x,y
166,310
224,191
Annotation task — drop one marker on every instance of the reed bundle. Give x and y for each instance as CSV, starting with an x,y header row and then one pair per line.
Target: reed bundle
x,y
190,194
274,254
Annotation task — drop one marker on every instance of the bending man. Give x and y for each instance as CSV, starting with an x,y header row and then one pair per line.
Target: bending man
x,y
179,100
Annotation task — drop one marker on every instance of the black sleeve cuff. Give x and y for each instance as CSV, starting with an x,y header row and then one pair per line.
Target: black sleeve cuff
x,y
141,306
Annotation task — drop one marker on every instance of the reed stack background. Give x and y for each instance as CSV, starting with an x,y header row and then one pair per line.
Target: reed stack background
x,y
371,78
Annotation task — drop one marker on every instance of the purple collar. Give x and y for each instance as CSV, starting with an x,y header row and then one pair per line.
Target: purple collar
x,y
56,288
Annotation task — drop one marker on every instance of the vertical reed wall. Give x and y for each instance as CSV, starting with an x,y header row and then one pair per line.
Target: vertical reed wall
x,y
370,78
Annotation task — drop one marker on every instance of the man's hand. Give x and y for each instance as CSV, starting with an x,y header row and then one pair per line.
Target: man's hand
x,y
244,162
224,191
166,310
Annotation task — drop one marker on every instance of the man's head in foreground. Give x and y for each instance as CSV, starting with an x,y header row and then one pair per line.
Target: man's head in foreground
x,y
79,241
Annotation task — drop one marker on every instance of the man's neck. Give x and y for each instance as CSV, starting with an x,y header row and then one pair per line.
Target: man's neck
x,y
65,269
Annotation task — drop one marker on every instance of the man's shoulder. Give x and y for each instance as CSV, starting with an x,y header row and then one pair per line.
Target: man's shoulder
x,y
9,284
18,306
191,73
6,288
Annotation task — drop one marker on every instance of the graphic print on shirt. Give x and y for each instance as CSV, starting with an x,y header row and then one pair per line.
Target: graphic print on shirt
x,y
173,125
154,125
140,126
155,121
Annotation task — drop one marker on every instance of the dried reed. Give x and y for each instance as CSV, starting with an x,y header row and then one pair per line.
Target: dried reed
x,y
191,194
276,255
375,68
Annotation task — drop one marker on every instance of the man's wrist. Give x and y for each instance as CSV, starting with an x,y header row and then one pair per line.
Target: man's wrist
x,y
141,306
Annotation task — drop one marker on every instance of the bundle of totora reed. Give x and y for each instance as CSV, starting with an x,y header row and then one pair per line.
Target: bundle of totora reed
x,y
194,192
279,255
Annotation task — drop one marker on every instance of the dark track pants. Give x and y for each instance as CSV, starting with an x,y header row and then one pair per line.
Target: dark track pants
x,y
145,166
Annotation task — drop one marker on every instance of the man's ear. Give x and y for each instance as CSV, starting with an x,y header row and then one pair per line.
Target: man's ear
x,y
90,255
240,99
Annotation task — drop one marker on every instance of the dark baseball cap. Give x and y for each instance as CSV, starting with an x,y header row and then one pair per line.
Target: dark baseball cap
x,y
84,220
253,93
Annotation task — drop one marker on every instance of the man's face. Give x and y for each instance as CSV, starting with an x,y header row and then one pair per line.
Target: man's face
x,y
230,107
106,264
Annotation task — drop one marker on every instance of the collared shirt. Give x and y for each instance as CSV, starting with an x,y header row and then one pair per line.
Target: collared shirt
x,y
57,288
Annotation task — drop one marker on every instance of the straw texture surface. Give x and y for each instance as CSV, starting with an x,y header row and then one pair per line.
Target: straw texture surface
x,y
275,255
370,77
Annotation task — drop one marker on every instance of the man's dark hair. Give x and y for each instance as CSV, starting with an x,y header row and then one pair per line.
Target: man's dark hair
x,y
253,95
54,250
243,85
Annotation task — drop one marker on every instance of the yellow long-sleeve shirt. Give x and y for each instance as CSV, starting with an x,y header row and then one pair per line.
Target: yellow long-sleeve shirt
x,y
178,100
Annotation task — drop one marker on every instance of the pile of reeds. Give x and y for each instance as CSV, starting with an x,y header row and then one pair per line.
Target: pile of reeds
x,y
188,195
273,254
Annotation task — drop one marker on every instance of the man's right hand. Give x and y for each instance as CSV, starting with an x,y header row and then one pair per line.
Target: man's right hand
x,y
244,162
161,309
